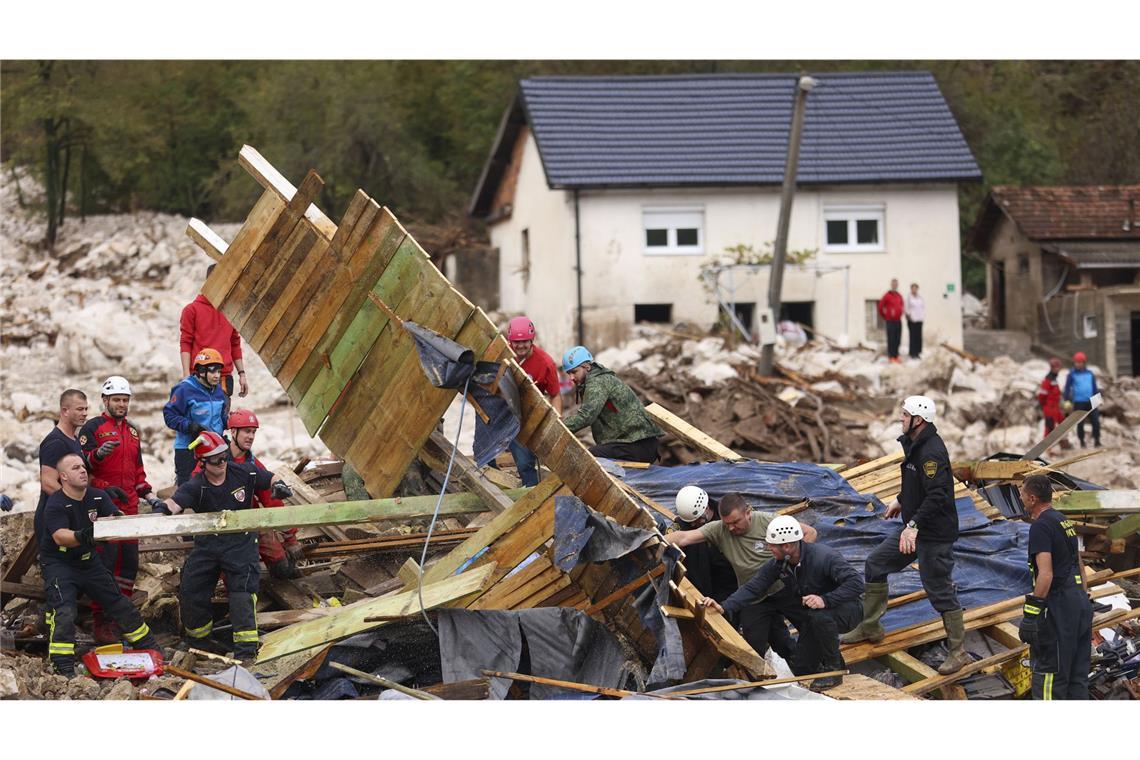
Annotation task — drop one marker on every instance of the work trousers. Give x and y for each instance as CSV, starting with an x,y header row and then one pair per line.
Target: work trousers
x,y
914,333
644,450
526,462
709,571
121,558
762,623
272,545
234,554
935,568
1093,417
1061,659
817,648
894,337
183,465
64,581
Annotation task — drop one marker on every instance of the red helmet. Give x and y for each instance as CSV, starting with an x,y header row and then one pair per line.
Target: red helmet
x,y
1054,363
206,357
208,444
242,418
520,328
1080,357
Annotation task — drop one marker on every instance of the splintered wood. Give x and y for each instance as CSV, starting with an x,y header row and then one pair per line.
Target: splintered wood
x,y
323,305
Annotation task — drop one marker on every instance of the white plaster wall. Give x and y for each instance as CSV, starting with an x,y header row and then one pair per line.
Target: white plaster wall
x,y
921,245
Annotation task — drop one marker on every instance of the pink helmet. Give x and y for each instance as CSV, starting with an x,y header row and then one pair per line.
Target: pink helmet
x,y
520,328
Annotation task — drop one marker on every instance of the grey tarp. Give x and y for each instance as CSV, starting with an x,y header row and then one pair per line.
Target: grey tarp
x,y
562,643
670,662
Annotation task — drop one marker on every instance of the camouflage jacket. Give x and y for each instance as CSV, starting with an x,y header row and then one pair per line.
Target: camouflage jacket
x,y
611,409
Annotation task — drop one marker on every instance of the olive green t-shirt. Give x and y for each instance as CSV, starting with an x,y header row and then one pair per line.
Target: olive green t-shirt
x,y
745,553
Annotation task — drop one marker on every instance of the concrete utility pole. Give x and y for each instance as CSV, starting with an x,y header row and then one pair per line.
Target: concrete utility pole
x,y
776,278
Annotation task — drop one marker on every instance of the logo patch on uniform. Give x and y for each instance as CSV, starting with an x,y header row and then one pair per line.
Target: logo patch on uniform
x,y
134,432
82,439
92,514
239,494
930,467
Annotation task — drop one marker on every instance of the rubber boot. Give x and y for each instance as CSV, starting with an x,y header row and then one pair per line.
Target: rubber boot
x,y
874,605
957,657
64,666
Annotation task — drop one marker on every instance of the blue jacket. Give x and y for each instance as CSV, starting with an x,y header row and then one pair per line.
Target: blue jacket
x,y
1080,385
190,401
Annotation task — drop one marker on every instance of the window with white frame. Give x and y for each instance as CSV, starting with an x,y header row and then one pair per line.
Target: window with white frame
x,y
854,228
674,230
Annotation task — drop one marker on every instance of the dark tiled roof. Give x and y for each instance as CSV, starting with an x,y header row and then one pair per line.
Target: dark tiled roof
x,y
1093,212
733,129
1110,254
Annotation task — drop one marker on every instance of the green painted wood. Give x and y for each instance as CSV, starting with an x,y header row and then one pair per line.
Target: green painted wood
x,y
1107,502
1124,527
350,620
289,516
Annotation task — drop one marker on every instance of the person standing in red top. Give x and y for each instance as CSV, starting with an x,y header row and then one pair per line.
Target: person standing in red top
x,y
891,309
538,364
201,326
113,451
1049,396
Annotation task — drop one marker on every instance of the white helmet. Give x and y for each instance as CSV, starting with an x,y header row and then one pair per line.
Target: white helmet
x,y
115,386
785,529
919,406
691,503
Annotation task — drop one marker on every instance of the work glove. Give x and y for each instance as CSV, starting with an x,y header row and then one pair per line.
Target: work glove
x,y
116,493
195,430
295,551
1067,406
105,450
281,490
6,503
156,504
86,537
1032,613
284,569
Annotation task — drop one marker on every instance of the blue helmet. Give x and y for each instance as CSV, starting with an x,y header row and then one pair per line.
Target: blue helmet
x,y
575,357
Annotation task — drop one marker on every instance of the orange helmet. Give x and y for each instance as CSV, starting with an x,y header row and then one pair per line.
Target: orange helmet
x,y
208,444
1080,357
241,418
206,357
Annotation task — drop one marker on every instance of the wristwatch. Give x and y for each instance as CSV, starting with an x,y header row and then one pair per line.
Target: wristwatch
x,y
912,524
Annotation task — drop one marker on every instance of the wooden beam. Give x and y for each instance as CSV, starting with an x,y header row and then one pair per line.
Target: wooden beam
x,y
189,676
438,448
909,667
680,613
624,591
1124,527
1005,634
1063,428
587,688
208,240
691,435
938,681
387,684
271,179
306,670
1098,502
873,466
290,516
991,470
348,621
755,684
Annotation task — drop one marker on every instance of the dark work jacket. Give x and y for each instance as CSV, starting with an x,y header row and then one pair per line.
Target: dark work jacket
x,y
822,571
927,495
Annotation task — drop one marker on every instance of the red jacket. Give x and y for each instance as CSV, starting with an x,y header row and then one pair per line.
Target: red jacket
x,y
541,368
123,467
891,306
1049,397
203,326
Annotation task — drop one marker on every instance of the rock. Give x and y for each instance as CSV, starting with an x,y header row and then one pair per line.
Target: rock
x,y
123,689
82,687
711,372
9,686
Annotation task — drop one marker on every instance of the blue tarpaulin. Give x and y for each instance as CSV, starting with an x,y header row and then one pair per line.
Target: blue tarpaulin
x,y
990,559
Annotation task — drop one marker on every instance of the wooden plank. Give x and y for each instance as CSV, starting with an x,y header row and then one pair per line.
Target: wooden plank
x,y
439,448
387,684
262,218
306,670
289,516
937,681
1063,428
1005,634
499,526
348,621
721,634
859,687
224,688
991,470
271,179
874,465
270,305
910,668
755,684
691,435
1098,502
1124,527
604,691
625,591
475,688
206,239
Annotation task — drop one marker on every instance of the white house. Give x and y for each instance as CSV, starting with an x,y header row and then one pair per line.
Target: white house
x,y
606,195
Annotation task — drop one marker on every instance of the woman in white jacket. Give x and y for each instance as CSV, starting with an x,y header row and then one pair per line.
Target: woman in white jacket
x,y
915,315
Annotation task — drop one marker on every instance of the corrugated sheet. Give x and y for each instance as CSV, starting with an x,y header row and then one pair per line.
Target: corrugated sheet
x,y
733,129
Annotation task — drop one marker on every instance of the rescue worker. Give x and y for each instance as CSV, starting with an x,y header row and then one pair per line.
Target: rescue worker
x,y
201,325
279,550
196,404
70,567
221,485
1080,387
540,367
927,532
622,430
821,598
740,536
63,439
1049,397
1056,620
114,453
705,566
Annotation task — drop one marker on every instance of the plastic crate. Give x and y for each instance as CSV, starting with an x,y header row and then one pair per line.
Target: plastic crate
x,y
1019,675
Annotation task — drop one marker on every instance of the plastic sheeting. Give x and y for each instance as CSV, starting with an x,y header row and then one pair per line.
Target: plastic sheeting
x,y
990,557
561,643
